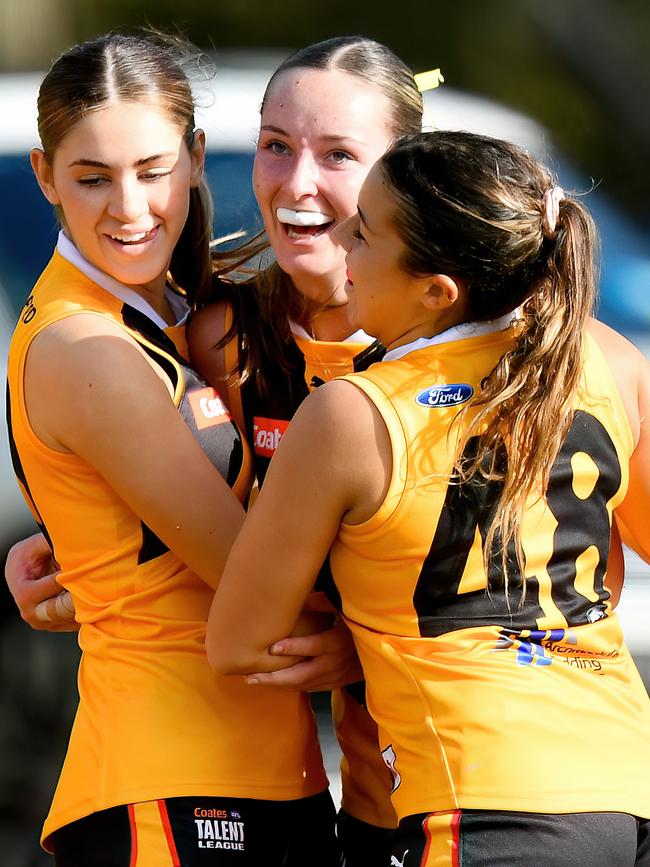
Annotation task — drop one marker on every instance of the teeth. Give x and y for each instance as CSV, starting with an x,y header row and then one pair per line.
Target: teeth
x,y
130,239
302,218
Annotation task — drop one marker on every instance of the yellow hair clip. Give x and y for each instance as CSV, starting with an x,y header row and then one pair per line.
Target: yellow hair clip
x,y
428,80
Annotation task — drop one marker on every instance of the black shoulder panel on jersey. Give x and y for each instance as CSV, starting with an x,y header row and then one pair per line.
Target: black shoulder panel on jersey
x,y
20,474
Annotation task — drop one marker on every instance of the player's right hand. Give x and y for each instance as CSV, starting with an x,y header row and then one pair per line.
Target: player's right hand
x,y
31,574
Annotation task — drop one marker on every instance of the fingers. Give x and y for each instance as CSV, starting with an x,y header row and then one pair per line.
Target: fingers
x,y
332,662
41,600
307,676
336,639
45,606
57,609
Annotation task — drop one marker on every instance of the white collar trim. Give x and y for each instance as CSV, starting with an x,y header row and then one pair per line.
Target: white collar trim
x,y
456,332
359,336
70,253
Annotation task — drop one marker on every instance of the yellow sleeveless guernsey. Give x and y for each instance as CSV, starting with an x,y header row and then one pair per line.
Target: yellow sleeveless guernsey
x,y
365,780
153,720
488,701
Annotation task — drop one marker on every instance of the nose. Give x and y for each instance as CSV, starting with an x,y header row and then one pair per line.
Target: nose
x,y
342,233
128,199
302,179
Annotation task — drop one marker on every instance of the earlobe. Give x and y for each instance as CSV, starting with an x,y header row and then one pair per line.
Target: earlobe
x,y
197,155
441,291
43,171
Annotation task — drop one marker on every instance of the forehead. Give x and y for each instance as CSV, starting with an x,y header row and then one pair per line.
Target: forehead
x,y
125,127
377,203
327,102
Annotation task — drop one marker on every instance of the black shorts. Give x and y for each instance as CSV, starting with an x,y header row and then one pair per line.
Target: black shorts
x,y
362,845
496,838
197,832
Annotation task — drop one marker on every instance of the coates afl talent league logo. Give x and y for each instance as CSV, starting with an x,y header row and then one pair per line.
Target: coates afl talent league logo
x,y
445,395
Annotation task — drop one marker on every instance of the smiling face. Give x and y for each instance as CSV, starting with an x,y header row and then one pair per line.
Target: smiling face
x,y
122,178
385,299
321,132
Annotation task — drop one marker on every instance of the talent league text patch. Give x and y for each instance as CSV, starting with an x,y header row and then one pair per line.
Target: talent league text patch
x,y
267,433
445,395
208,408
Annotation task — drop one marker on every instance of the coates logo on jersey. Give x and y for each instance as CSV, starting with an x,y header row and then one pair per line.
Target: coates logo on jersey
x,y
208,408
267,433
445,395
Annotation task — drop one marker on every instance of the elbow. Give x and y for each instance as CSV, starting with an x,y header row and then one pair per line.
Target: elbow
x,y
223,658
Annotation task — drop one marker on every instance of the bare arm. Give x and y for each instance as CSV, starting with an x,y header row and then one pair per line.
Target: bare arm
x,y
205,329
328,659
631,371
333,463
29,570
91,391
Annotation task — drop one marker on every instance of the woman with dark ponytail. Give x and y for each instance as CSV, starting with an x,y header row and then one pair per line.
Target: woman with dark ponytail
x,y
473,481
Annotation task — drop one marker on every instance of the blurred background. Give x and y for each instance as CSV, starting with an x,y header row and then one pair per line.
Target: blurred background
x,y
569,79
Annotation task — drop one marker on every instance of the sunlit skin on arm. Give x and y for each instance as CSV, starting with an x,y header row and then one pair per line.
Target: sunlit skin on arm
x,y
631,371
204,330
325,650
289,530
91,391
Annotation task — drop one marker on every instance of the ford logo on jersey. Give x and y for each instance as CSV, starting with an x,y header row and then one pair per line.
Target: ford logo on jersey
x,y
445,395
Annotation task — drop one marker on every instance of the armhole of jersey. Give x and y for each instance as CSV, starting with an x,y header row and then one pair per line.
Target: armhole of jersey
x,y
18,399
161,359
619,413
231,360
399,452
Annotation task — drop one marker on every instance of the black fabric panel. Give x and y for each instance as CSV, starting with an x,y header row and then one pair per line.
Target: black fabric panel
x,y
102,840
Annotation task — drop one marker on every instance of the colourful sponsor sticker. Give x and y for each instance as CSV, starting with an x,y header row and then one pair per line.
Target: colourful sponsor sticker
x,y
208,408
445,395
267,433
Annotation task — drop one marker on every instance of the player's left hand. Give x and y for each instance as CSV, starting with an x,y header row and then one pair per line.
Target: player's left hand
x,y
331,661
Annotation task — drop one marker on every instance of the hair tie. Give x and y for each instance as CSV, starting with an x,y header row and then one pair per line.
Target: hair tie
x,y
428,80
552,199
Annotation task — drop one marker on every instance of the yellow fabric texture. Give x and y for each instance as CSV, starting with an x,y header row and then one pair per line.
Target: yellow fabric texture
x,y
540,716
327,359
153,720
365,781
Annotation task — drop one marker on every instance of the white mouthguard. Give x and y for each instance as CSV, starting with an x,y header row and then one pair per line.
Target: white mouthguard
x,y
302,218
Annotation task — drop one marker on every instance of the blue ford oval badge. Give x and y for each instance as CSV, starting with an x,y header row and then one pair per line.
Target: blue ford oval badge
x,y
445,395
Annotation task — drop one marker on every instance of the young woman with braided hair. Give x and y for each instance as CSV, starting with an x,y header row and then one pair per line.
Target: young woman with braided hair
x,y
472,483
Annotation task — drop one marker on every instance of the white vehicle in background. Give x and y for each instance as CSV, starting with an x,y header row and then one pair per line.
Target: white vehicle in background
x,y
229,112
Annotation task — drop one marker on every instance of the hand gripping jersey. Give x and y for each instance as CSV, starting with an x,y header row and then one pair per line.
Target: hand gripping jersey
x,y
153,720
494,700
365,781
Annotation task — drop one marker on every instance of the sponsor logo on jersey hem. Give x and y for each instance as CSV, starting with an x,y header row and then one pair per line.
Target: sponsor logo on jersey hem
x,y
445,395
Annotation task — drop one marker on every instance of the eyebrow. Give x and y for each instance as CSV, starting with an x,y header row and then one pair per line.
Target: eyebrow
x,y
267,127
100,165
